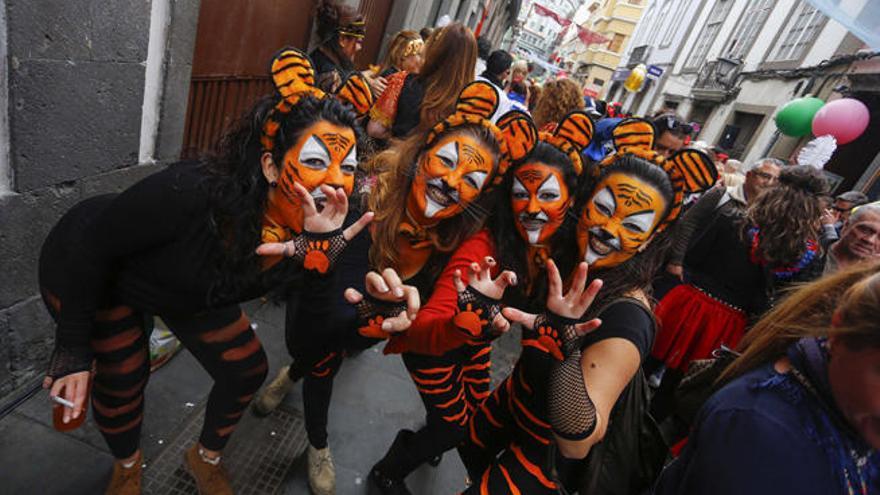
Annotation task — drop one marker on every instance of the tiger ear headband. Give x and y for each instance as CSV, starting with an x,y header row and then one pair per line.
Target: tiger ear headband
x,y
294,79
689,170
356,92
573,134
476,104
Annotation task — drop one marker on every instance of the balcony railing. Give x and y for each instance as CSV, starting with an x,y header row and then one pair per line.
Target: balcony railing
x,y
716,80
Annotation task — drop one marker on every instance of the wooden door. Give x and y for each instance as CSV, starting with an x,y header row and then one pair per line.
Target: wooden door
x,y
234,44
376,14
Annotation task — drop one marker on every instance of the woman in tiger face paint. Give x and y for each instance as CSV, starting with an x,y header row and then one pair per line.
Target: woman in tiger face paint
x,y
557,403
430,195
185,244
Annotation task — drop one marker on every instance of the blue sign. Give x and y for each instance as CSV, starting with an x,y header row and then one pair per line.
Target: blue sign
x,y
655,71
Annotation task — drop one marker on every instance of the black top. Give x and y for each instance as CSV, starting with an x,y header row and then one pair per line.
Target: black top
x,y
409,106
151,247
627,319
718,262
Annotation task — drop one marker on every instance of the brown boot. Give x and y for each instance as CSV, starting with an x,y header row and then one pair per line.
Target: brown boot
x,y
126,481
210,479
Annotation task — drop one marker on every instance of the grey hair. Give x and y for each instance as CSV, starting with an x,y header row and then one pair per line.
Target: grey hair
x,y
855,197
861,211
775,161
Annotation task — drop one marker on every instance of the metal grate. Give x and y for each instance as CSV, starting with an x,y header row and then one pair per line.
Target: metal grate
x,y
257,457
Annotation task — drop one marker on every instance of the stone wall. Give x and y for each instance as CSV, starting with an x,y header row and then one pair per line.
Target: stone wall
x,y
76,83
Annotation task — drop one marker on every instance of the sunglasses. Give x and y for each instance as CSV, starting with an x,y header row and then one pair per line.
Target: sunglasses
x,y
671,123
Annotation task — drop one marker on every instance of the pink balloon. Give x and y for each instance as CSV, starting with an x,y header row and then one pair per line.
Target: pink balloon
x,y
845,119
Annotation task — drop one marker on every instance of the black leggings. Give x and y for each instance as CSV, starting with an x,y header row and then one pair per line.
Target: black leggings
x,y
320,327
221,340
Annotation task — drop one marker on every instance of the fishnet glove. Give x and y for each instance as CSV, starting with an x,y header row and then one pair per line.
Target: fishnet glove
x,y
571,412
475,313
318,251
372,312
66,361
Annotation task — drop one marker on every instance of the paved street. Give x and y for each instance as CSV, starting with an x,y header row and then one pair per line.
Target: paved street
x,y
372,399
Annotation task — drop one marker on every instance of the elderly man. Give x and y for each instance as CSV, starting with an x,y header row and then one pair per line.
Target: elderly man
x,y
759,176
729,201
859,239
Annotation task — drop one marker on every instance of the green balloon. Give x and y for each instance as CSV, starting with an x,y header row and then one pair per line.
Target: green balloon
x,y
796,117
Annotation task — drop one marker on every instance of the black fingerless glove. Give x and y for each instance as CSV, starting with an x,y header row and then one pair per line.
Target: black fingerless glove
x,y
371,312
66,361
475,313
318,251
555,334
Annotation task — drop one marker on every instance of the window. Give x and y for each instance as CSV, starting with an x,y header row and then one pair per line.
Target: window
x,y
616,43
799,34
750,25
671,27
598,82
708,34
655,29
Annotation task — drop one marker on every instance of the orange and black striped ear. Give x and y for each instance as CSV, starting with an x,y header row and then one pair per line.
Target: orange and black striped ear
x,y
519,133
479,99
576,128
293,75
633,133
697,171
356,92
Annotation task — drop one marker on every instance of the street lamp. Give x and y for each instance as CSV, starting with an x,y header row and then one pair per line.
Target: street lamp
x,y
724,70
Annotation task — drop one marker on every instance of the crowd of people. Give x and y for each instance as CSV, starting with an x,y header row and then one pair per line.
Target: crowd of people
x,y
690,324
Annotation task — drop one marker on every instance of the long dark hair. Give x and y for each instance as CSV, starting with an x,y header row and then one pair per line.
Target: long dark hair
x,y
512,250
787,215
237,189
638,272
450,57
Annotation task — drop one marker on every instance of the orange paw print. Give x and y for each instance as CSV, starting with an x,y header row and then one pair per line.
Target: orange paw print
x,y
373,329
470,320
548,337
316,256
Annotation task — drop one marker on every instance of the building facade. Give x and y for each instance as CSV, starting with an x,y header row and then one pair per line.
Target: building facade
x,y
731,64
594,65
536,36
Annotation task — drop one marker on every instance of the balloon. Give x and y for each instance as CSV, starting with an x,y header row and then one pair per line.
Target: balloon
x,y
796,117
845,119
636,78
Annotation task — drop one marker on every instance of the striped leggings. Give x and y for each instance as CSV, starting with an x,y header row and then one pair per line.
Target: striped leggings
x,y
220,339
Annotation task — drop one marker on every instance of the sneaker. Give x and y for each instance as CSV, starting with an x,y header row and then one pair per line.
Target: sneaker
x,y
322,473
387,485
210,478
126,481
271,396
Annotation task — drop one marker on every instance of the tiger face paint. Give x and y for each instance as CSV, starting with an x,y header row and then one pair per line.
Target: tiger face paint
x,y
619,219
324,154
539,198
450,175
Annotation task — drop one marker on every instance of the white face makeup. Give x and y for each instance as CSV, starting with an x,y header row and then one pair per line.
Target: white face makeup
x,y
619,220
439,194
533,222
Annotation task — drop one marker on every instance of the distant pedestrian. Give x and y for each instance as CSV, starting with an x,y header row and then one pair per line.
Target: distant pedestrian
x,y
672,133
859,239
558,99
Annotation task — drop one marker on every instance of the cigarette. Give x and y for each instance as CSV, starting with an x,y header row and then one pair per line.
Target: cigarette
x,y
63,402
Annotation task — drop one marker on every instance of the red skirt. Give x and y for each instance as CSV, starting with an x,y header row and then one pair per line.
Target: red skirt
x,y
692,325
